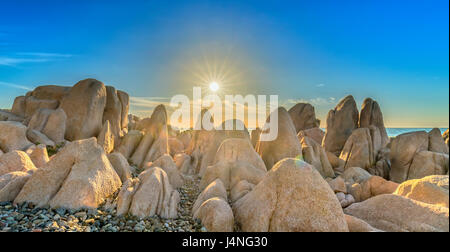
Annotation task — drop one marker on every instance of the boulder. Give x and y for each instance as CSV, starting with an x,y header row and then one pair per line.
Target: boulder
x,y
15,161
84,105
130,142
13,136
153,196
436,143
335,162
183,163
394,213
120,165
175,146
37,137
361,148
358,225
215,189
255,136
240,189
426,163
340,123
106,138
371,116
113,113
293,196
445,136
355,175
18,107
185,138
238,150
39,155
315,133
372,187
383,165
78,176
33,104
303,116
431,189
403,149
216,215
315,155
286,145
337,185
50,92
166,163
8,116
124,99
55,127
11,184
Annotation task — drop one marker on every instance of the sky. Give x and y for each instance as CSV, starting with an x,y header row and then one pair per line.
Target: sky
x,y
396,52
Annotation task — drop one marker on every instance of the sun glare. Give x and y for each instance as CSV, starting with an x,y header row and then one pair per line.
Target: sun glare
x,y
214,86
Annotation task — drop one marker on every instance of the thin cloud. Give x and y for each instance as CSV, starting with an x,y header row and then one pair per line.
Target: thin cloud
x,y
31,57
45,55
7,84
320,85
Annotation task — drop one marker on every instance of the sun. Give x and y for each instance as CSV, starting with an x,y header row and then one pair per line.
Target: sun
x,y
214,86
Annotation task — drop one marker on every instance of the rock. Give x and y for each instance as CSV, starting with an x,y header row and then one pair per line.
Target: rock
x,y
355,175
185,138
106,138
315,155
38,138
341,121
403,149
293,196
18,107
11,184
426,163
358,225
347,201
394,213
303,116
371,116
8,116
113,113
175,146
239,150
13,136
431,189
84,105
50,92
166,163
335,162
436,143
183,163
445,136
372,187
315,133
154,195
286,145
15,161
126,194
39,155
125,102
361,148
255,136
383,165
337,185
120,165
240,189
33,104
55,128
216,215
130,142
215,189
78,176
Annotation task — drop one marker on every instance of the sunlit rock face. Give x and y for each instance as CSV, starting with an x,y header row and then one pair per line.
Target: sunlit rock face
x,y
340,123
304,116
371,115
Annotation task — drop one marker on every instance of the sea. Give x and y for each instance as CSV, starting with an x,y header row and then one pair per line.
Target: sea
x,y
393,132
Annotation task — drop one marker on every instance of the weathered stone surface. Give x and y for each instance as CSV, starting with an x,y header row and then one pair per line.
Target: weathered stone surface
x,y
78,176
33,104
8,116
39,155
341,121
15,161
371,116
215,189
358,225
355,175
84,105
18,107
216,215
125,102
185,137
154,196
240,189
175,146
239,150
426,163
183,163
445,135
126,194
50,92
113,113
38,138
166,163
286,145
436,143
303,116
431,189
315,155
106,138
337,185
13,136
255,136
335,161
315,133
403,149
361,148
55,127
120,165
291,197
394,213
372,187
11,184
130,142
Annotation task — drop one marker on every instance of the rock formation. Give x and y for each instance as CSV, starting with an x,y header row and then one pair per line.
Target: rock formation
x,y
303,116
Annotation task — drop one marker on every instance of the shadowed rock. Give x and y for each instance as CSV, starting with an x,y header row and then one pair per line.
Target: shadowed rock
x,y
303,116
371,115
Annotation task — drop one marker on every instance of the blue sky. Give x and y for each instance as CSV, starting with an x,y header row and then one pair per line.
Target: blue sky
x,y
396,52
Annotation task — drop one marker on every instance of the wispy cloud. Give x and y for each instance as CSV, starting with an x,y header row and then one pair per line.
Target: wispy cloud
x,y
13,85
45,55
320,85
317,101
31,57
10,61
